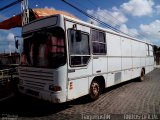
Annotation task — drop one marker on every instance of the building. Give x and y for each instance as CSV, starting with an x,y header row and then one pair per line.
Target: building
x,y
7,59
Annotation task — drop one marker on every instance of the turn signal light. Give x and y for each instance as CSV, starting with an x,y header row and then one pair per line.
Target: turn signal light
x,y
54,88
71,85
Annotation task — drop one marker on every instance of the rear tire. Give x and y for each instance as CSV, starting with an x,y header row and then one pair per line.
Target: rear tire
x,y
142,75
95,90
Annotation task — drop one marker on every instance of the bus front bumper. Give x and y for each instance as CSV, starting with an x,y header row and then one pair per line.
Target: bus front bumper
x,y
54,97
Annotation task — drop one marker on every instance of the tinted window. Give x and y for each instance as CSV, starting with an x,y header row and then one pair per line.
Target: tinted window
x,y
78,50
78,47
98,42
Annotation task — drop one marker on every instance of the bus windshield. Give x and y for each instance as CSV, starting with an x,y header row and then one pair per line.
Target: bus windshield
x,y
44,48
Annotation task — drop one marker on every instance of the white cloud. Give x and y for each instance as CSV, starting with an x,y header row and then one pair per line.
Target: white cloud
x,y
49,7
117,14
3,34
10,37
133,32
138,7
6,39
148,33
158,9
91,12
107,16
151,31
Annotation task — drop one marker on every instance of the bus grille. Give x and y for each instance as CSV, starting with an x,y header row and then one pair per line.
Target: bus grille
x,y
35,78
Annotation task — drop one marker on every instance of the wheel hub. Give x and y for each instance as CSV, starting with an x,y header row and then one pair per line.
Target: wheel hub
x,y
95,89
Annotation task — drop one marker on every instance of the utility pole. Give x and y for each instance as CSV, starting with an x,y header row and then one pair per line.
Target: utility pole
x,y
25,12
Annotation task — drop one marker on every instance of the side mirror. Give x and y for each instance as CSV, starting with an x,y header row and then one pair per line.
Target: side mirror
x,y
17,38
78,36
16,43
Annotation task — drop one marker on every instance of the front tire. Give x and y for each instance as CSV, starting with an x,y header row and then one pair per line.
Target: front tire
x,y
95,90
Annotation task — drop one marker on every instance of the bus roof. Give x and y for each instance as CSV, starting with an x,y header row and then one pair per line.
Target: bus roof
x,y
105,29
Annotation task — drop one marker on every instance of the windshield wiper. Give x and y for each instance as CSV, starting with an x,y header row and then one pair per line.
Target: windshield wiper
x,y
29,36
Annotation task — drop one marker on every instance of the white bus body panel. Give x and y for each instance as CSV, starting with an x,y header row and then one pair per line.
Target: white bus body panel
x,y
114,58
79,76
99,65
113,45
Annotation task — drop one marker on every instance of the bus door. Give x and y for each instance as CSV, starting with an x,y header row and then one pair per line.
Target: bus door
x,y
79,63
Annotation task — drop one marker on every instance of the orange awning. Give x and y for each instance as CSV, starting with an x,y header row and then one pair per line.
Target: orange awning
x,y
37,13
11,22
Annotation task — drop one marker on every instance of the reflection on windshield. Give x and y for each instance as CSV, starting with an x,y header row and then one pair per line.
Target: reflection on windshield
x,y
44,49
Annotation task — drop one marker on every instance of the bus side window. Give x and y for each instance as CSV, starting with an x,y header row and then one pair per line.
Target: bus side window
x,y
79,50
98,42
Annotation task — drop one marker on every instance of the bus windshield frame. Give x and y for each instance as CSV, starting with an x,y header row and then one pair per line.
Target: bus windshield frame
x,y
44,48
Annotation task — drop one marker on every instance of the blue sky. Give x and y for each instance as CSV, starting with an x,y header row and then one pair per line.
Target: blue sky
x,y
139,18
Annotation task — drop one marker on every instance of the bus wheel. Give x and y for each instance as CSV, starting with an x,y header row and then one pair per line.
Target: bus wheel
x,y
142,75
95,90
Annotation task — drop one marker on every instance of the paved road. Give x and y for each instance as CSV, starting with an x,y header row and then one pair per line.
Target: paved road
x,y
137,100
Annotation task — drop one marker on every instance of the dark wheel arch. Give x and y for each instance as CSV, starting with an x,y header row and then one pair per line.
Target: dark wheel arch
x,y
142,75
97,86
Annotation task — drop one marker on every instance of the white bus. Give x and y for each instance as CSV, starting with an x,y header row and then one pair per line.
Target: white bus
x,y
65,58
